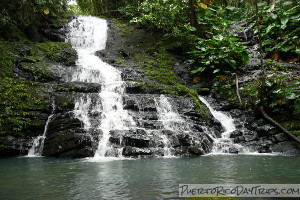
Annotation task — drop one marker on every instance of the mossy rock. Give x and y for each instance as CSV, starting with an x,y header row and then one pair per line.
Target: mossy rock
x,y
78,87
59,52
8,57
39,71
64,102
17,98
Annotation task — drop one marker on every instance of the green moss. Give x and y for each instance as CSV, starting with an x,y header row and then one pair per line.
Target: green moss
x,y
39,70
200,107
7,58
60,52
159,68
17,98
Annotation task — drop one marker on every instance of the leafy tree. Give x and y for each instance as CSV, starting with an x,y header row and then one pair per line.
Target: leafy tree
x,y
25,15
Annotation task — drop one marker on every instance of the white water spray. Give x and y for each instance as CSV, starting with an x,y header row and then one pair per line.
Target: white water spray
x,y
170,119
87,35
223,144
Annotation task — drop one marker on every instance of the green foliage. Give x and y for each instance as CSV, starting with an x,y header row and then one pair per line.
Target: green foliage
x,y
164,15
280,26
218,55
17,97
7,59
226,88
23,15
276,93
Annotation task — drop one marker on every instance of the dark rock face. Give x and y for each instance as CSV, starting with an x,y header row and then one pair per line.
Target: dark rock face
x,y
66,138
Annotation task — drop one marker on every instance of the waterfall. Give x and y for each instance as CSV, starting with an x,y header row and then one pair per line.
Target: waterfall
x,y
170,119
87,35
38,142
225,143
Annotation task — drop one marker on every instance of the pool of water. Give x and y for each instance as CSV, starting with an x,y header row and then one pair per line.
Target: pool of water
x,y
84,179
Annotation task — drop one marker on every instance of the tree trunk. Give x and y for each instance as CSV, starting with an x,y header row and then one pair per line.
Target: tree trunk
x,y
192,14
267,117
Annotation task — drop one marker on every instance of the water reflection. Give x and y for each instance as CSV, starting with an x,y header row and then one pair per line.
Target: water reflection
x,y
61,179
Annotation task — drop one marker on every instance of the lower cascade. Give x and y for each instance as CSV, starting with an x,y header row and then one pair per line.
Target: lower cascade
x,y
171,121
224,144
38,142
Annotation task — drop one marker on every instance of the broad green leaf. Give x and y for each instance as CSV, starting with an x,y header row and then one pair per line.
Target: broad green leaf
x,y
273,16
286,3
269,28
266,42
216,71
200,69
271,8
284,21
253,93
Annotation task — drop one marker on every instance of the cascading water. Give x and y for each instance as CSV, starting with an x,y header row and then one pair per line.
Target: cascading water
x,y
87,35
170,119
223,144
38,142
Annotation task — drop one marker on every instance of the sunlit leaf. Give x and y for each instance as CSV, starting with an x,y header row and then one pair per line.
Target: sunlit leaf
x,y
207,1
202,5
291,96
216,71
46,11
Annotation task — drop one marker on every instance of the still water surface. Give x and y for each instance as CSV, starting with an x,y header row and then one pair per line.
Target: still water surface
x,y
80,179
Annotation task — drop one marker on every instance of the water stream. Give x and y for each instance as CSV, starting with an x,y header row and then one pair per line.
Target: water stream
x,y
38,143
170,119
87,35
225,143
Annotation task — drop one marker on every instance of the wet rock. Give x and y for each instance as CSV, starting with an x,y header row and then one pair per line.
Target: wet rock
x,y
264,130
174,141
195,151
139,138
233,150
243,31
264,149
239,139
281,137
66,138
116,136
184,140
250,137
78,87
14,146
55,35
236,133
132,151
286,147
182,151
64,102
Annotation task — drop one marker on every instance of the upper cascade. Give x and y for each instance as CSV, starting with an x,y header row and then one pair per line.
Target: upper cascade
x,y
88,33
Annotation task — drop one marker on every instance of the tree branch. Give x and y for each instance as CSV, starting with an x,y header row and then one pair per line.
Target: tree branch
x,y
292,136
